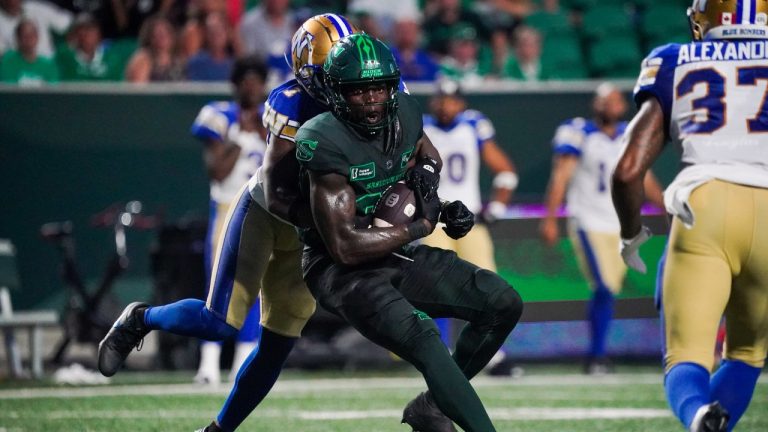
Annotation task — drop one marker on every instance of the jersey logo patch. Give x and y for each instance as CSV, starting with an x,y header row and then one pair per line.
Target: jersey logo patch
x,y
405,157
362,172
305,150
421,315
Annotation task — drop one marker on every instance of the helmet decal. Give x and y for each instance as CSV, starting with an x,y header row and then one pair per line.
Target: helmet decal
x,y
371,67
310,45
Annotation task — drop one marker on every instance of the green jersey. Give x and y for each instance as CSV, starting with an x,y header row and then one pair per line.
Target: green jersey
x,y
14,68
371,164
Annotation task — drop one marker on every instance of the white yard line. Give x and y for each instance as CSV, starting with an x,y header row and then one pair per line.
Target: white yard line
x,y
516,414
305,386
324,384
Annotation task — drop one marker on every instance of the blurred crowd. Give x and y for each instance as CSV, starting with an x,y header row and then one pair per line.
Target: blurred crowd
x,y
46,41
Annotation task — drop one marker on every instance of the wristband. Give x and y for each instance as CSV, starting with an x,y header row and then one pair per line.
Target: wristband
x,y
417,230
497,209
506,180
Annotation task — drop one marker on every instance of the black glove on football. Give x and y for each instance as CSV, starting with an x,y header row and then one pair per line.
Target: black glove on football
x,y
457,218
424,176
428,209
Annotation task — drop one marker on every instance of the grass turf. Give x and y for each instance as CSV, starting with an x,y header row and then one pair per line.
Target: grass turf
x,y
545,399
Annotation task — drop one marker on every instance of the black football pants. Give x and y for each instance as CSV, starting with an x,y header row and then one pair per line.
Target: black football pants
x,y
391,302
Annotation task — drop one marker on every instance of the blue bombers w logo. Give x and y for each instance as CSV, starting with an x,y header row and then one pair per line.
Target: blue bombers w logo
x,y
301,43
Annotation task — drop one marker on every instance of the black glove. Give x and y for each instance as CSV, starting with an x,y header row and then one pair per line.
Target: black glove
x,y
425,209
424,176
457,218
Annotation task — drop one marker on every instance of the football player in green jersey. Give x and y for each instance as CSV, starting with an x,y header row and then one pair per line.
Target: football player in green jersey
x,y
388,291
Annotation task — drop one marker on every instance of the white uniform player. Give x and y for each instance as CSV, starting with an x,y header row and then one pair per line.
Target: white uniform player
x,y
218,126
589,193
460,145
218,121
465,138
709,97
585,154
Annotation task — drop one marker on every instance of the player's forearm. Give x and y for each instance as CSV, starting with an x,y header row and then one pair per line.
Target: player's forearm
x,y
221,161
358,246
627,200
645,140
280,173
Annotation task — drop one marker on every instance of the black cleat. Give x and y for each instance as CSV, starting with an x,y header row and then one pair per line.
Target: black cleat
x,y
710,418
127,333
213,427
423,415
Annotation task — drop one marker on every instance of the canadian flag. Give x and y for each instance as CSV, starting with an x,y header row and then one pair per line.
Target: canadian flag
x,y
726,18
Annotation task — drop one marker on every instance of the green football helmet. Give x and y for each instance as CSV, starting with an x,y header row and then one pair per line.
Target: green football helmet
x,y
360,60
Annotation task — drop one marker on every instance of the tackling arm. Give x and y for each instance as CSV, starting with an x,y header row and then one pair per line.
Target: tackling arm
x,y
332,201
645,140
281,186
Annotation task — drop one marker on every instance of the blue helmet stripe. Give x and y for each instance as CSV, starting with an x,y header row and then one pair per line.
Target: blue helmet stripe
x,y
739,12
752,11
341,26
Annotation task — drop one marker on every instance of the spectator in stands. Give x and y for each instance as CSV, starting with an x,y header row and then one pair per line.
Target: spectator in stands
x,y
124,18
214,62
442,23
378,18
525,63
415,63
265,32
463,64
155,60
89,58
24,66
46,17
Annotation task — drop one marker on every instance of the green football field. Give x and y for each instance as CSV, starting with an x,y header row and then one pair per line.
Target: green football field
x,y
545,398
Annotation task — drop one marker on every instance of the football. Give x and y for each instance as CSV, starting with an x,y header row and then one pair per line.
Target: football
x,y
397,206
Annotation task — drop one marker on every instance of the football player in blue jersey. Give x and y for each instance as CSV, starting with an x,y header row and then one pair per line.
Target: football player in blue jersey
x,y
234,146
259,255
708,96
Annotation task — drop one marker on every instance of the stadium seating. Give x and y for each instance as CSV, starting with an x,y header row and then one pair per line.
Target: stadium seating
x,y
550,23
606,20
663,20
563,55
33,321
617,57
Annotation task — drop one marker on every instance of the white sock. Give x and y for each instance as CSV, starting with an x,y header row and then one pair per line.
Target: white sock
x,y
208,372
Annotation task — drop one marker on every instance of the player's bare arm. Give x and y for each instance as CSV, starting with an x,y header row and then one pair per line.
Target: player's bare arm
x,y
332,200
425,149
645,138
563,167
498,162
654,193
220,158
281,189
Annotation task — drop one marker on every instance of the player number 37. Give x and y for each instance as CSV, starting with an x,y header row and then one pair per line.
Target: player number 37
x,y
714,101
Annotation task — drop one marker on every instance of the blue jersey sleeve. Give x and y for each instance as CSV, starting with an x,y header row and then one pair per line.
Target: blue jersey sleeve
x,y
657,74
570,137
482,126
214,120
287,108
